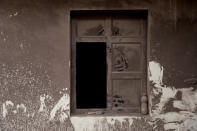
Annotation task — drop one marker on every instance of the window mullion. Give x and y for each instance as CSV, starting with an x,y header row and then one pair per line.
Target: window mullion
x,y
109,63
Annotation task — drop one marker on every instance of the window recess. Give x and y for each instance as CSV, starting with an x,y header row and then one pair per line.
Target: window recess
x,y
109,69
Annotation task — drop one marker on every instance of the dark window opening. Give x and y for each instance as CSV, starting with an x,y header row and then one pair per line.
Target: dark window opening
x,y
91,75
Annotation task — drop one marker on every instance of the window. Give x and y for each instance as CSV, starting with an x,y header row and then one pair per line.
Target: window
x,y
109,69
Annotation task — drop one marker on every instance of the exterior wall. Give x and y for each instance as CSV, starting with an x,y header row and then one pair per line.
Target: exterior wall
x,y
35,74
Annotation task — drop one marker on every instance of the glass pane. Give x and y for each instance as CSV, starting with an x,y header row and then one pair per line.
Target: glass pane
x,y
126,93
93,27
126,27
126,57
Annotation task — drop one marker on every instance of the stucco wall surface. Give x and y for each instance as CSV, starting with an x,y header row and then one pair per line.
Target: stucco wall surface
x,y
35,69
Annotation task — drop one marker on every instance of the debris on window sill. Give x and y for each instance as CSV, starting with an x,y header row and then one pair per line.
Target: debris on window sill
x,y
95,113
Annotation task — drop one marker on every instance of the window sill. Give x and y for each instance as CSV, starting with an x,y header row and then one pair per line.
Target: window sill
x,y
109,115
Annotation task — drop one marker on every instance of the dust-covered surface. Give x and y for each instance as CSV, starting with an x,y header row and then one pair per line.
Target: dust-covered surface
x,y
34,67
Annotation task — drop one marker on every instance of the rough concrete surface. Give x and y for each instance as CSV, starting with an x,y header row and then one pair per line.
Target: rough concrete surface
x,y
35,74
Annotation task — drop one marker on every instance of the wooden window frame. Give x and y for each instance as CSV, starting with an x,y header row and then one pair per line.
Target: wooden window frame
x,y
108,40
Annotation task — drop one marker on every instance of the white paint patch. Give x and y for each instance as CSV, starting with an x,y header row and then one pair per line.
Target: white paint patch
x,y
22,107
156,77
179,104
155,73
189,100
42,103
179,121
171,126
63,116
98,123
9,103
190,124
62,106
65,89
172,116
166,94
5,112
14,111
83,123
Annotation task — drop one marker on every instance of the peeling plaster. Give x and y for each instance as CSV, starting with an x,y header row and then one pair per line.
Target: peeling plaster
x,y
189,100
62,106
166,94
98,123
42,103
4,107
22,107
182,120
5,112
14,111
155,73
9,103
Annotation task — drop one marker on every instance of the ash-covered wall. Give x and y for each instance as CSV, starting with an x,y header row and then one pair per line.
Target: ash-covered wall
x,y
35,74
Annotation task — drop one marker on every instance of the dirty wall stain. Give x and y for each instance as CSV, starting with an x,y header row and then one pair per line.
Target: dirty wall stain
x,y
182,119
27,99
47,113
